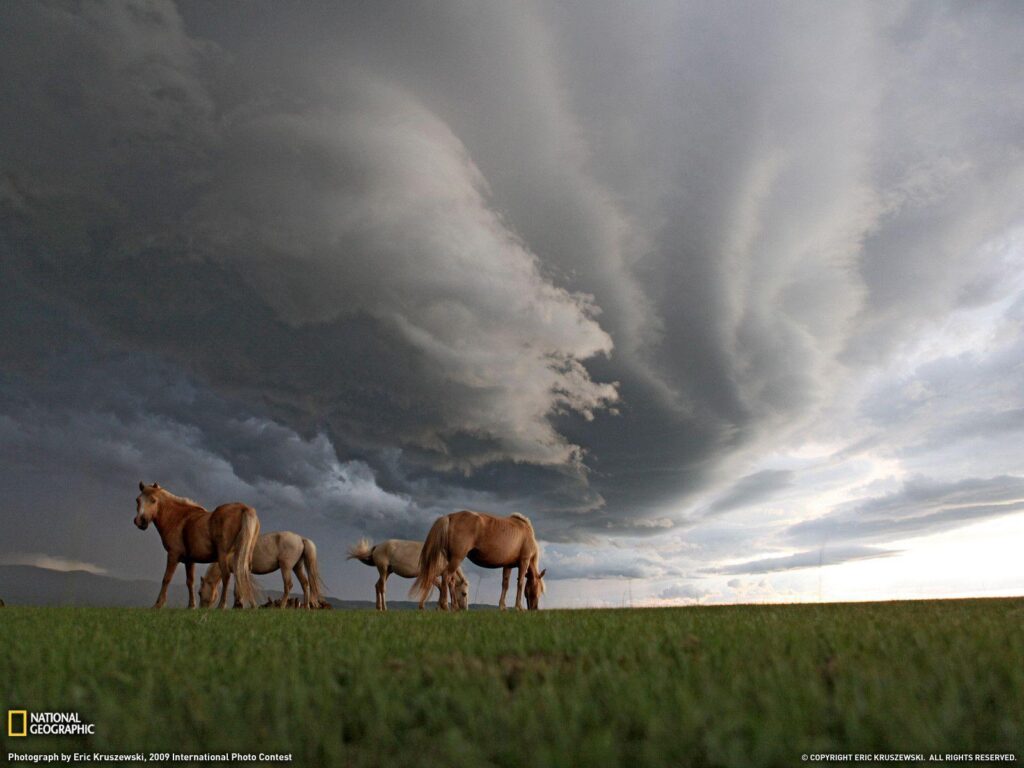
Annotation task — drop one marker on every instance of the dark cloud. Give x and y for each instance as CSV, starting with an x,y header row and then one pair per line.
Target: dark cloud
x,y
752,489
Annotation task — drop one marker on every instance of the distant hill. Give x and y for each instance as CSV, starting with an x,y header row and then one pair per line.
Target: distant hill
x,y
29,585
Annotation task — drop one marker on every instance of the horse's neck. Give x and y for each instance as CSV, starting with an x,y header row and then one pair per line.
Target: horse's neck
x,y
171,512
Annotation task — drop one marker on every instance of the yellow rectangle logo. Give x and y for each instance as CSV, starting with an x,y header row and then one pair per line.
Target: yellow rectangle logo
x,y
13,716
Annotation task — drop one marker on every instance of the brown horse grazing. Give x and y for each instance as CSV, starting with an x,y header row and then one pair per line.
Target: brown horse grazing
x,y
488,541
192,535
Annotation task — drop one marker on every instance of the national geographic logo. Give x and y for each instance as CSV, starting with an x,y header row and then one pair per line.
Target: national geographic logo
x,y
17,722
21,722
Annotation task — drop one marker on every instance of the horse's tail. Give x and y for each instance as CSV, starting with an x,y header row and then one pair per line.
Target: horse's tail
x,y
433,558
362,552
316,584
245,544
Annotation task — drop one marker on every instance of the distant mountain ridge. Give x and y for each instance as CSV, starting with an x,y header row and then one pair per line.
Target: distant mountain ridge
x,y
31,585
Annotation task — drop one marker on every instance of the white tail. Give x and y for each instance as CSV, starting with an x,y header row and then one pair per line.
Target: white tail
x,y
316,585
362,552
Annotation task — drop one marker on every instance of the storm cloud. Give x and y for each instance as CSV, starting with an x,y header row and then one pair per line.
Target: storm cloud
x,y
744,276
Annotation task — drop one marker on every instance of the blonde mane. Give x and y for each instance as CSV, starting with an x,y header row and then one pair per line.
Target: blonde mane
x,y
180,499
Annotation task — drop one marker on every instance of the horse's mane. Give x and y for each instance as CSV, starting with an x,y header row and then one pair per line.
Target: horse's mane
x,y
180,499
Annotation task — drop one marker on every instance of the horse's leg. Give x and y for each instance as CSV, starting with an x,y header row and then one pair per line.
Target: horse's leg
x,y
172,564
451,579
239,603
300,574
456,554
438,585
190,579
287,577
506,572
442,592
520,580
448,577
382,588
225,577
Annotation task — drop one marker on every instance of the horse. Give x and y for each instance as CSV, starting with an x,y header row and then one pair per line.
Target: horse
x,y
192,535
488,541
282,549
403,557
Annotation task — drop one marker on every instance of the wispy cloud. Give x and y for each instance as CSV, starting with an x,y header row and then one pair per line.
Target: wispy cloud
x,y
50,562
809,559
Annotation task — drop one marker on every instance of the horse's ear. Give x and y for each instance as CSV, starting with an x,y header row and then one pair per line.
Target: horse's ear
x,y
142,486
156,485
541,574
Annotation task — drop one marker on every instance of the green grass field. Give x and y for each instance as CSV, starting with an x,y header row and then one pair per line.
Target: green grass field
x,y
736,686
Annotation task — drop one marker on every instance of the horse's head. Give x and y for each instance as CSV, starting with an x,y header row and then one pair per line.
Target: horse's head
x,y
460,593
209,588
534,588
146,505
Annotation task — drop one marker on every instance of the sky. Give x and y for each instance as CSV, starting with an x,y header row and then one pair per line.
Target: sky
x,y
727,298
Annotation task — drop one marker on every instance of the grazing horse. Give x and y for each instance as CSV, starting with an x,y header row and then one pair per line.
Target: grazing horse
x,y
192,535
282,549
403,557
488,541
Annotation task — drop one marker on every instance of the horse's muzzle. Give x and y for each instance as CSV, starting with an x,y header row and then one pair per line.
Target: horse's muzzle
x,y
141,524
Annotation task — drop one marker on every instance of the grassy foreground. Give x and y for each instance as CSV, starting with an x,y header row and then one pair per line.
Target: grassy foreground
x,y
737,686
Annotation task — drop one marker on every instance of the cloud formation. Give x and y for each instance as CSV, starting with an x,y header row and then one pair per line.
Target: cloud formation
x,y
747,277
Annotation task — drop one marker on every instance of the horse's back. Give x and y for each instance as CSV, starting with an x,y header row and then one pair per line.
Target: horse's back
x,y
493,541
289,546
271,548
281,540
402,556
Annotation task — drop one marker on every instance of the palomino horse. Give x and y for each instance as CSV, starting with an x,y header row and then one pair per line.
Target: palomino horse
x,y
488,541
403,557
282,549
192,535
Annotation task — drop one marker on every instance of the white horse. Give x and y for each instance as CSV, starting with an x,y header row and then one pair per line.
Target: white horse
x,y
403,557
279,550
